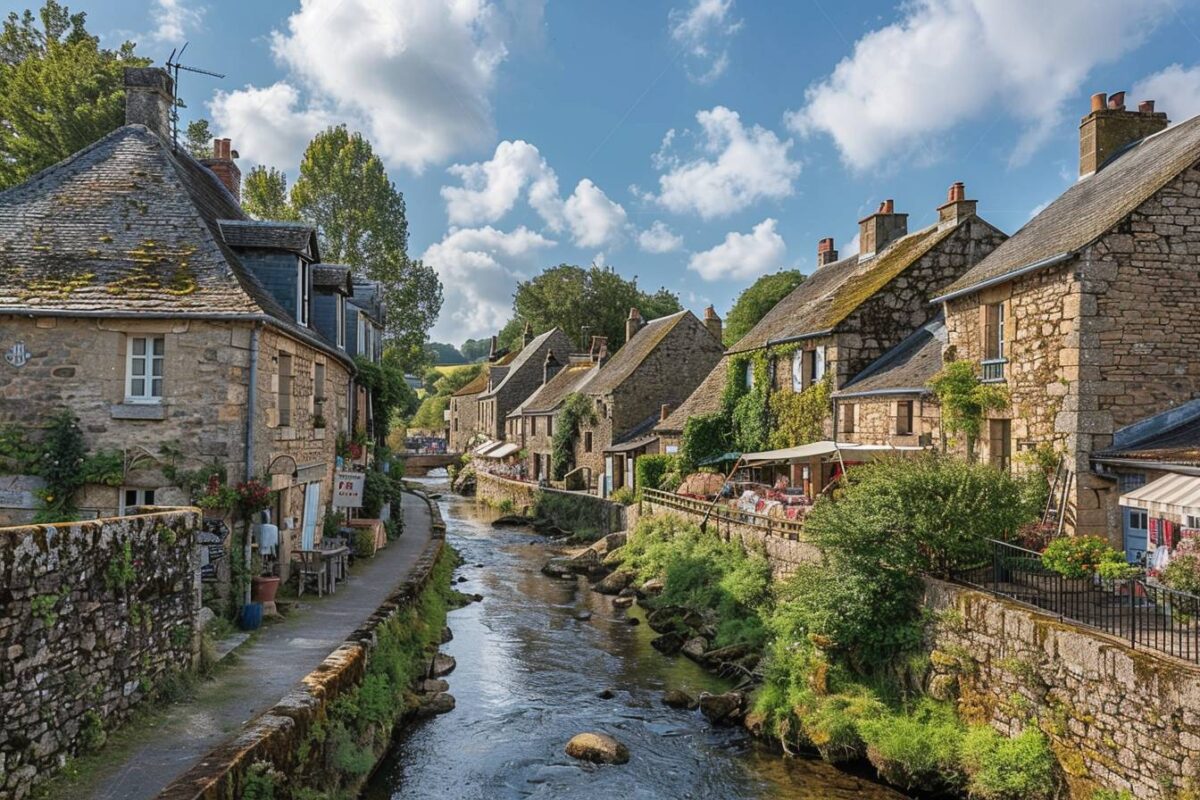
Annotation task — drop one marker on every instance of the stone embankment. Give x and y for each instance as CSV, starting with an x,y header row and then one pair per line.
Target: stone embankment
x,y
566,510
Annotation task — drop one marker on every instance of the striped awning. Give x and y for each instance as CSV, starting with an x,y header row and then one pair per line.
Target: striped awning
x,y
1170,494
504,450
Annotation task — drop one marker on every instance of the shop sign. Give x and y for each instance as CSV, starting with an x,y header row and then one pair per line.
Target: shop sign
x,y
348,489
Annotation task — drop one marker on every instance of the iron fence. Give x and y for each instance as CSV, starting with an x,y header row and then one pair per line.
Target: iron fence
x,y
1145,614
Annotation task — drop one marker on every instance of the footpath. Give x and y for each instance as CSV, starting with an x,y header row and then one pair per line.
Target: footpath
x,y
265,669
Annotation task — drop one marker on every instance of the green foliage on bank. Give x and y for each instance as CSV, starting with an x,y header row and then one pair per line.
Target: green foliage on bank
x,y
586,517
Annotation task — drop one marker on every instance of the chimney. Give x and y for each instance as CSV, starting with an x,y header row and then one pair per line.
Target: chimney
x,y
957,207
222,165
880,229
664,412
599,350
1109,127
825,252
493,351
713,323
526,335
149,98
633,324
550,367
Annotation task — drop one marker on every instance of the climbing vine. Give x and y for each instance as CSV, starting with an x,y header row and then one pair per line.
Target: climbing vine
x,y
799,417
577,409
965,401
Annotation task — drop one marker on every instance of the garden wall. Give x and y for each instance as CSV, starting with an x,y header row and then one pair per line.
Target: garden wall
x,y
563,509
1117,718
92,615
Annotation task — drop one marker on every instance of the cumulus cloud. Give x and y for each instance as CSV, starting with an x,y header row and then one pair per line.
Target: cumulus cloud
x,y
742,255
592,218
1176,90
414,76
658,238
478,268
269,125
735,166
173,19
949,61
703,30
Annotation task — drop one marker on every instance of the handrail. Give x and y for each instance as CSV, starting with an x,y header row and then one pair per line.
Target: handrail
x,y
775,526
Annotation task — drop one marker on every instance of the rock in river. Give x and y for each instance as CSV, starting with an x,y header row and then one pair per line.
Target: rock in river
x,y
668,644
622,602
442,664
433,686
723,709
434,704
677,698
599,748
694,648
615,582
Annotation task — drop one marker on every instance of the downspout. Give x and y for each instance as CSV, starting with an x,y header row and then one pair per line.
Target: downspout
x,y
251,405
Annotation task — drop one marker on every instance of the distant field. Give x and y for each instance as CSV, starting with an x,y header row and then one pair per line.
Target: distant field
x,y
446,369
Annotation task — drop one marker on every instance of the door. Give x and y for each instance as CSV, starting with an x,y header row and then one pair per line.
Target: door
x,y
1000,443
1136,525
312,498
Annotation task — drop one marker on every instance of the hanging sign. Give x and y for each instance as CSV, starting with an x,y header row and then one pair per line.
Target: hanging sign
x,y
348,489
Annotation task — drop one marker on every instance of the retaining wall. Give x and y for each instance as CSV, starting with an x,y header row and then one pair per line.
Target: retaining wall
x,y
92,614
609,516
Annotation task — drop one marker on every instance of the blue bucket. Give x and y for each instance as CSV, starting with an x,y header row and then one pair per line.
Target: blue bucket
x,y
251,616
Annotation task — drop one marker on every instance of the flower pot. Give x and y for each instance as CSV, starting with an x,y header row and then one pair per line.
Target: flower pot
x,y
263,589
251,617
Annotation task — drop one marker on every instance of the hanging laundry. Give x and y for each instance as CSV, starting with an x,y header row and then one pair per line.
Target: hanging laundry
x,y
1152,533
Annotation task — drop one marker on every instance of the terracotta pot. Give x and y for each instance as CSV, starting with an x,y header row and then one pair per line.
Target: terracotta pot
x,y
262,590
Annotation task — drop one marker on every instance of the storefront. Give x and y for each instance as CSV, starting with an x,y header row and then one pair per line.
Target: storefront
x,y
1159,513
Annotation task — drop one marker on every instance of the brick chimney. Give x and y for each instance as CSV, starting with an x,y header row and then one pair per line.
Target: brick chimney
x,y
149,98
1108,127
633,324
957,207
550,367
664,412
493,350
880,229
826,254
713,323
222,165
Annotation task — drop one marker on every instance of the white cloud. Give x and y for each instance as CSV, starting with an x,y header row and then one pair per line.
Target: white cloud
x,y
949,61
658,238
268,125
703,31
742,255
593,219
415,76
479,268
173,19
1176,90
736,166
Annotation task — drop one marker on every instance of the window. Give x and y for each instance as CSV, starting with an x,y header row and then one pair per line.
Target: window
x,y
848,418
144,369
1128,481
549,426
818,364
993,332
533,426
904,417
135,497
1139,519
360,340
798,371
303,289
339,313
587,442
285,390
319,389
750,375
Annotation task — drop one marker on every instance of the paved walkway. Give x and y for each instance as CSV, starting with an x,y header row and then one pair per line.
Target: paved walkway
x,y
264,671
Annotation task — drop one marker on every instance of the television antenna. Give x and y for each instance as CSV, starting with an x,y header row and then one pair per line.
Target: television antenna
x,y
174,67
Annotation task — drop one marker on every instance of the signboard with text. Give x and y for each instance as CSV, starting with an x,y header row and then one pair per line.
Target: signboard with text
x,y
348,489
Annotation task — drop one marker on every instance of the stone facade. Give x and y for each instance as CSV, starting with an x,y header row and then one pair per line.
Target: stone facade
x,y
878,420
493,490
95,614
509,385
464,421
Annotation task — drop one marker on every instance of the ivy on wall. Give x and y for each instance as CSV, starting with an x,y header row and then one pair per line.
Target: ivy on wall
x,y
799,417
577,409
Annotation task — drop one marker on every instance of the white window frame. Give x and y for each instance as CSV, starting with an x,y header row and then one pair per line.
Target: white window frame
x,y
362,335
798,371
818,363
750,374
303,292
339,313
140,498
148,359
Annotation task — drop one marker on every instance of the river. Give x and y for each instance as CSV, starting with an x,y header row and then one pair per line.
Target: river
x,y
528,679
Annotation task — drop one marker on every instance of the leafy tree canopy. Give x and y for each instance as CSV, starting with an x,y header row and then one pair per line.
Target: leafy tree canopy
x,y
573,297
756,300
442,353
265,195
198,139
475,349
59,90
453,381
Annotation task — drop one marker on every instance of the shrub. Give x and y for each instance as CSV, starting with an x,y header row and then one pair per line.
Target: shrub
x,y
650,469
1183,570
1079,556
704,436
577,409
623,495
920,749
999,768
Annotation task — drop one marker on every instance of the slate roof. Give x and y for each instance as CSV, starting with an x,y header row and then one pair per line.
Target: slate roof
x,y
834,291
906,368
126,226
333,276
1179,445
1090,208
368,297
634,352
550,395
296,237
705,400
518,360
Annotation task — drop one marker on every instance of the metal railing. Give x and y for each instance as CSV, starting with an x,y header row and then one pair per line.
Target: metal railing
x,y
772,526
1144,614
993,370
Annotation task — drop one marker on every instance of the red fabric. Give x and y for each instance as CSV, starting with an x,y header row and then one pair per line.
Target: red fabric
x,y
1152,533
1168,533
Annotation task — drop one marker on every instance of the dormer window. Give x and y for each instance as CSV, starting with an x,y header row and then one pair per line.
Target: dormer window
x,y
303,291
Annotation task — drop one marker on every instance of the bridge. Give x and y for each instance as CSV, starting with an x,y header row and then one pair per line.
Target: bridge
x,y
418,464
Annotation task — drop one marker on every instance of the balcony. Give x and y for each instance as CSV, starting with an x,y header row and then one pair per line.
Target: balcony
x,y
993,370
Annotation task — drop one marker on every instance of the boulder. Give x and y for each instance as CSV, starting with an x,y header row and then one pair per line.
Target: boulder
x,y
607,544
512,520
433,704
433,686
632,621
694,648
622,602
668,644
677,698
651,588
606,694
667,618
599,748
441,665
615,582
447,634
723,709
731,653
583,616
205,617
558,568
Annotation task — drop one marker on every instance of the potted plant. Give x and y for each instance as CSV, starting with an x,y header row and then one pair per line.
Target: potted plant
x,y
253,496
262,587
217,499
1079,558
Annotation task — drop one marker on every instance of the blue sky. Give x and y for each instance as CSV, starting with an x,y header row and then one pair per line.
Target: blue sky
x,y
695,144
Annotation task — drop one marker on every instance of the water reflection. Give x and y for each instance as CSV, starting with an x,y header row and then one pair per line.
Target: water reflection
x,y
528,678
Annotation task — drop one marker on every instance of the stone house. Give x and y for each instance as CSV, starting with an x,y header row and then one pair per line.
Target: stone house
x,y
1085,315
850,311
464,422
531,424
508,384
889,402
660,364
135,292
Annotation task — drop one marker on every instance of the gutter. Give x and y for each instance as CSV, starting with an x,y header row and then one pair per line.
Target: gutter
x,y
921,390
785,340
1006,277
251,404
1183,469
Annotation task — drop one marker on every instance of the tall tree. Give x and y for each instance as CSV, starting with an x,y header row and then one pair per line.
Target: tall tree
x,y
442,353
583,302
756,300
475,349
198,139
59,90
344,190
265,195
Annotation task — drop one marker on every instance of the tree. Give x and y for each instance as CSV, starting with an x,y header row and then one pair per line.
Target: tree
x,y
443,353
756,300
344,190
430,380
265,195
59,90
431,415
583,302
475,349
198,139
965,401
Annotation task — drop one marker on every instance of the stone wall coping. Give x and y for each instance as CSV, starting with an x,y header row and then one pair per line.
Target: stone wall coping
x,y
164,513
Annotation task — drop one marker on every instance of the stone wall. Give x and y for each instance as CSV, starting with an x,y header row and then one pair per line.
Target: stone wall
x,y
92,615
875,420
1117,718
464,421
494,490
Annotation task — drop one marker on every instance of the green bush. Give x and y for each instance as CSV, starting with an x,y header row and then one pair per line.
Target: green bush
x,y
650,469
704,436
623,495
917,750
1080,556
999,768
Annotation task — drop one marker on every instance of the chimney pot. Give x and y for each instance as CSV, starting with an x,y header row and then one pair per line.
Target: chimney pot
x,y
826,254
1106,130
1099,100
957,192
1146,107
222,165
1116,101
633,324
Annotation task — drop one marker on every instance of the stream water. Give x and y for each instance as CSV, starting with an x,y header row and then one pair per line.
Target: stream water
x,y
529,673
